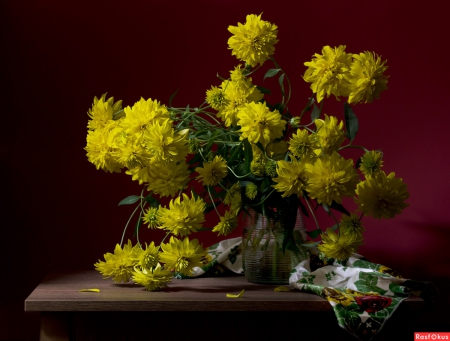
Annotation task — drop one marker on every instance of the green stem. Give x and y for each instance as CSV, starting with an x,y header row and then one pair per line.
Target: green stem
x,y
312,212
354,146
128,222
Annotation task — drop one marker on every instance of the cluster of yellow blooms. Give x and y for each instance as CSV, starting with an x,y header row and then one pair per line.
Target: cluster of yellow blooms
x,y
245,153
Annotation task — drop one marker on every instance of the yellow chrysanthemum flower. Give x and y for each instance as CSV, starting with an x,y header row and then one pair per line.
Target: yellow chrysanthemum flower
x,y
212,172
367,79
351,226
329,135
292,177
259,124
251,190
338,246
216,98
258,164
119,265
331,178
303,144
151,217
148,258
371,163
129,151
100,149
327,72
140,174
164,143
237,93
254,41
182,256
382,196
102,112
238,76
152,279
182,217
227,224
277,150
167,178
141,115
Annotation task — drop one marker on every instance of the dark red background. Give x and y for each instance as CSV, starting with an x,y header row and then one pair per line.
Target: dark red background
x,y
58,212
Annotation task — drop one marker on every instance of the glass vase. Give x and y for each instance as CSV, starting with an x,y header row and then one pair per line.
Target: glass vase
x,y
264,260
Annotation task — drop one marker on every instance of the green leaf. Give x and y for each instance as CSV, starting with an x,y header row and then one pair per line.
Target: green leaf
x,y
368,282
351,122
172,96
119,114
263,90
248,155
129,200
138,226
315,113
271,73
281,80
221,78
152,201
365,264
235,152
314,233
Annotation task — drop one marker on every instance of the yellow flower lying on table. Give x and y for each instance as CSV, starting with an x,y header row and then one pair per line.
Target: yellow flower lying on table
x,y
238,151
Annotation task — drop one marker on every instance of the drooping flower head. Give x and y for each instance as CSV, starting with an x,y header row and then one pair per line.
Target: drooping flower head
x,y
259,124
151,217
382,196
351,225
148,258
182,256
251,190
119,265
212,172
292,177
329,135
327,72
227,224
331,178
167,178
371,163
152,279
303,144
183,216
102,112
216,98
254,41
338,246
367,79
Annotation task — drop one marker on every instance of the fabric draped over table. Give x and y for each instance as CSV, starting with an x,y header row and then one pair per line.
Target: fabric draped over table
x,y
363,294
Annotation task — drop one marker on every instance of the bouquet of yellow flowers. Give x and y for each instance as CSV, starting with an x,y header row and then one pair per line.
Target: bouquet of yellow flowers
x,y
236,151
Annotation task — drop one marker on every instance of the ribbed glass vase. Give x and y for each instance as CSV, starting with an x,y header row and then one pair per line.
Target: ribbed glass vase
x,y
263,258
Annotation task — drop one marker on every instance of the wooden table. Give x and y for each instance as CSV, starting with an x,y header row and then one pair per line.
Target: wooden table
x,y
196,309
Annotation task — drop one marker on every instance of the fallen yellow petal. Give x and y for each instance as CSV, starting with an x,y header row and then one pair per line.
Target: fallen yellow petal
x,y
281,289
236,296
89,290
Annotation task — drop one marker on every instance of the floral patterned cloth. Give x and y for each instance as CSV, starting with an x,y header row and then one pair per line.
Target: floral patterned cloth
x,y
363,294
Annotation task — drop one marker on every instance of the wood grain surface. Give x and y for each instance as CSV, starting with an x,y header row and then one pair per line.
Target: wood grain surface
x,y
60,292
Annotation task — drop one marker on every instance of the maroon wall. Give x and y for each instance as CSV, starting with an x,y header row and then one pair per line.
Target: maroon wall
x,y
58,212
